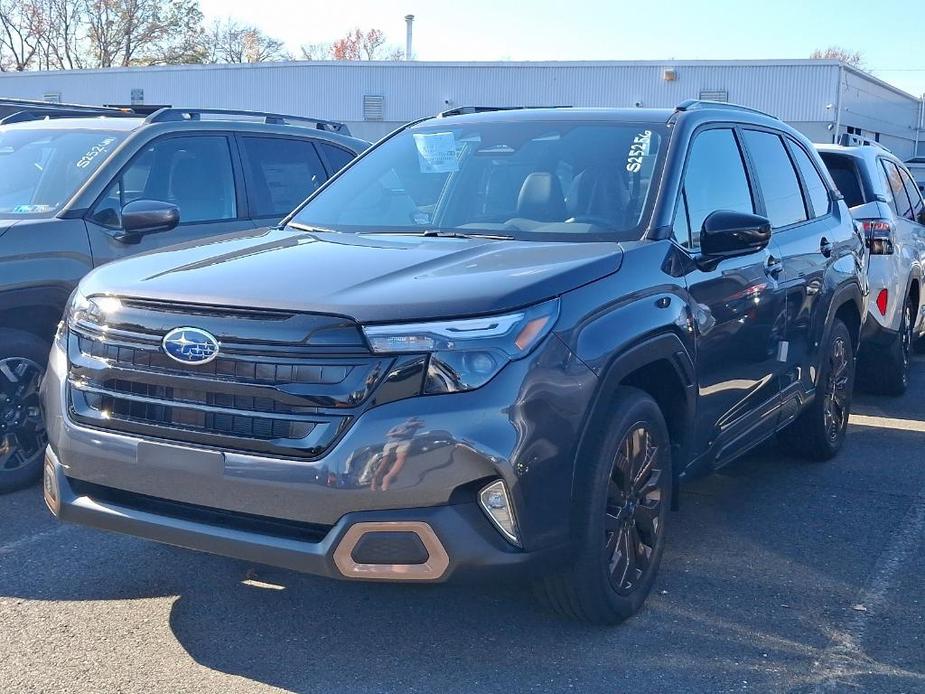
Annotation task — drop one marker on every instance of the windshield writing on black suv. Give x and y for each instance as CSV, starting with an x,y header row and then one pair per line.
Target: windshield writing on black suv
x,y
533,180
40,169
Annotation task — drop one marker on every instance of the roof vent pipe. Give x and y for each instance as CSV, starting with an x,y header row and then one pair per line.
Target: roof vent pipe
x,y
409,20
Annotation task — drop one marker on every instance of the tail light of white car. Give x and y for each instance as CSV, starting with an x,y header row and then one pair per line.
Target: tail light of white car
x,y
878,235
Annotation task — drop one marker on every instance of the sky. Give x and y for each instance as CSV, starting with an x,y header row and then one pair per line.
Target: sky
x,y
893,49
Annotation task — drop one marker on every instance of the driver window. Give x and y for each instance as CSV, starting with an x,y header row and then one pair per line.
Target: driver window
x,y
194,173
715,180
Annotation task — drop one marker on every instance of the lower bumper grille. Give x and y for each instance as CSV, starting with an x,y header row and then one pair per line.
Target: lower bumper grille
x,y
245,522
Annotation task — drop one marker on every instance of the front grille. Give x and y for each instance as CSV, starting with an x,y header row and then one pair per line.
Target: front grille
x,y
287,398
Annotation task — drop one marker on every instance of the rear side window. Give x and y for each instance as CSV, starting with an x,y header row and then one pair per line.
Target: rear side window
x,y
845,174
912,191
338,158
815,187
901,200
281,173
780,188
715,180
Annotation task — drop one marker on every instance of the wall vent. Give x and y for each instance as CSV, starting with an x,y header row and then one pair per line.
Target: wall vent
x,y
373,107
52,97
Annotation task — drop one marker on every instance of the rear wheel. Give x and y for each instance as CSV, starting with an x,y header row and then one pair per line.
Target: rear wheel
x,y
624,495
886,371
819,432
22,431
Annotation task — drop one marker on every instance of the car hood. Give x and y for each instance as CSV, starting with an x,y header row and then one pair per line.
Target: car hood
x,y
369,277
6,224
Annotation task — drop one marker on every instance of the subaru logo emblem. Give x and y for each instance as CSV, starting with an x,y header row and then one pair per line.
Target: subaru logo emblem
x,y
190,346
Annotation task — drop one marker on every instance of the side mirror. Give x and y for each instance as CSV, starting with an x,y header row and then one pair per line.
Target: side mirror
x,y
727,234
141,217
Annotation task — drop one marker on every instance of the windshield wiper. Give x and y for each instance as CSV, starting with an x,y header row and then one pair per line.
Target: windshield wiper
x,y
306,227
439,233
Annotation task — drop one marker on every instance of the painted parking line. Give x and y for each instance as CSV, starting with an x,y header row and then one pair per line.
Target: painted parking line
x,y
845,658
864,420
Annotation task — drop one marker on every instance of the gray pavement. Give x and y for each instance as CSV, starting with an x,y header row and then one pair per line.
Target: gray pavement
x,y
779,576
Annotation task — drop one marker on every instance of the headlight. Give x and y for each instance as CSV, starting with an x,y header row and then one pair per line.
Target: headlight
x,y
467,353
89,311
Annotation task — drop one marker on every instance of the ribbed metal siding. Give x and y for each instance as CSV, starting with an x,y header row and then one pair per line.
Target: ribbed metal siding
x,y
795,91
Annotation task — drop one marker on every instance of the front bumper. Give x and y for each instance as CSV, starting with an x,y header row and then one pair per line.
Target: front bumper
x,y
467,547
520,427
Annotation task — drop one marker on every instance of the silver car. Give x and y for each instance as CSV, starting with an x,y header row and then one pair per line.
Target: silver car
x,y
884,198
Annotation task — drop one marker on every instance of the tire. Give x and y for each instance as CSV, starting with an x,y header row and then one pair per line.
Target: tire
x,y
819,432
606,583
23,359
887,370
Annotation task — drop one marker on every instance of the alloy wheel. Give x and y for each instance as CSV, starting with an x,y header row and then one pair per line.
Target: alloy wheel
x,y
906,341
633,524
22,430
837,390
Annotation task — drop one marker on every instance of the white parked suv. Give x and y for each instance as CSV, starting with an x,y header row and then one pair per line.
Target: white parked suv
x,y
885,199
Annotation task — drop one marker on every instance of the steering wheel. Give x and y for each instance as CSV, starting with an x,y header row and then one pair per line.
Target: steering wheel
x,y
591,219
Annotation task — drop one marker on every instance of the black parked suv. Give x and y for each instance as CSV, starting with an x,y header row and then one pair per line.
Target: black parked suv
x,y
492,345
81,186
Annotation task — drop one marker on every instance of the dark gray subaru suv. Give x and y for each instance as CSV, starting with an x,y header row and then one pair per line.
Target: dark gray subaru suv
x,y
492,345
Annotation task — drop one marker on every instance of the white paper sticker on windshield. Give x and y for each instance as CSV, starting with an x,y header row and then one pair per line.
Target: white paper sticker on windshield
x,y
32,209
436,152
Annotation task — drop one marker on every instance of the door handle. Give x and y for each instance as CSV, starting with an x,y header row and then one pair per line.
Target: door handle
x,y
774,266
825,247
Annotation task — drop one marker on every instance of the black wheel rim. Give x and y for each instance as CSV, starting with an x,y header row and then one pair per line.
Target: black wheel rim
x,y
22,430
633,521
906,341
837,391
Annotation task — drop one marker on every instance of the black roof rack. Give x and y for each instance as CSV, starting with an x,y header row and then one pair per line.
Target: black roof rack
x,y
173,114
21,110
41,114
463,110
694,104
139,109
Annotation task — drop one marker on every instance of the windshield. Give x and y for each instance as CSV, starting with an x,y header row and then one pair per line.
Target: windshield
x,y
532,180
41,169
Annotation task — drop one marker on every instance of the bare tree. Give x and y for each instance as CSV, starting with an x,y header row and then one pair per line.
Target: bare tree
x,y
66,35
315,51
232,42
364,45
22,28
852,58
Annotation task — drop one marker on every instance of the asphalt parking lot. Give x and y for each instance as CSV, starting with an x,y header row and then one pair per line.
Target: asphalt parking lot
x,y
779,576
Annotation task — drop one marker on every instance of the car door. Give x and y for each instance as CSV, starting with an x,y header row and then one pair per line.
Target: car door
x,y
197,172
916,223
812,242
280,172
737,305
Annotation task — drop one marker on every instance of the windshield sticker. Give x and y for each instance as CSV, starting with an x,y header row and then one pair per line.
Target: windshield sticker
x,y
95,151
32,209
436,152
639,149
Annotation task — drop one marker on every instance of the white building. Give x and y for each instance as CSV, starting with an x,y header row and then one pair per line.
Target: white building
x,y
821,98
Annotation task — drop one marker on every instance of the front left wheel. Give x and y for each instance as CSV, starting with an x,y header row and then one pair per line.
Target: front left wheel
x,y
22,431
622,500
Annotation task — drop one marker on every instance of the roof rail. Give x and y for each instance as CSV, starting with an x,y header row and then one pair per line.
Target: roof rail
x,y
462,110
139,109
694,104
172,114
852,140
42,114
